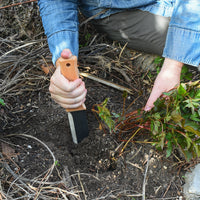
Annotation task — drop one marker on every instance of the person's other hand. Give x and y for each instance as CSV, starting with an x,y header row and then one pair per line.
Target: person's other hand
x,y
68,94
167,79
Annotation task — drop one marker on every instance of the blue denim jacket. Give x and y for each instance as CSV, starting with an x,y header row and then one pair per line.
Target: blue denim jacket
x,y
60,21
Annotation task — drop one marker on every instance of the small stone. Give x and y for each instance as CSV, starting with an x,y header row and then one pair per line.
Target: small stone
x,y
165,167
192,184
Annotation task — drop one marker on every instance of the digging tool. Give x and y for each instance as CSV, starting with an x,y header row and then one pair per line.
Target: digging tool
x,y
77,116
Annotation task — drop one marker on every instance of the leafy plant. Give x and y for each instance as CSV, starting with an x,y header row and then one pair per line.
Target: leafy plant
x,y
105,115
174,122
109,118
2,102
57,163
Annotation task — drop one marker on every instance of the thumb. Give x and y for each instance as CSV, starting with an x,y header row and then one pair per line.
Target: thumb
x,y
66,53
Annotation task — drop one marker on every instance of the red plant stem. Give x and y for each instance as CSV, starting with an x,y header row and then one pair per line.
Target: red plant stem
x,y
181,133
16,4
125,122
133,114
178,130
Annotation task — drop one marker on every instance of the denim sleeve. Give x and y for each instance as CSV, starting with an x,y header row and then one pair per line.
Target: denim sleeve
x,y
60,22
183,38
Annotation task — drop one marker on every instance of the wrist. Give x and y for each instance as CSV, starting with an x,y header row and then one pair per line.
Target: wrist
x,y
172,66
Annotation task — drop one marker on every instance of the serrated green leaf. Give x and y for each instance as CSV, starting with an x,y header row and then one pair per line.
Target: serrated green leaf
x,y
195,117
156,116
181,89
197,149
192,130
156,125
169,149
105,102
167,118
189,141
176,116
192,103
197,94
162,140
196,100
151,126
168,136
105,115
188,155
192,124
2,102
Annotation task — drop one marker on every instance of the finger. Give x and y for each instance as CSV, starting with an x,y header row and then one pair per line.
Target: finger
x,y
78,91
73,105
68,101
61,95
66,53
67,93
155,94
61,82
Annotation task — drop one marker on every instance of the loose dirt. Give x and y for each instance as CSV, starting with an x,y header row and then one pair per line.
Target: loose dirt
x,y
38,158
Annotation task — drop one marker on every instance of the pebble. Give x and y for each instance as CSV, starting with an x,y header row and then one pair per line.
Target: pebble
x,y
192,184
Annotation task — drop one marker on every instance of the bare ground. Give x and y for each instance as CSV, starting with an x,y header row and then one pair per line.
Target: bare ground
x,y
38,158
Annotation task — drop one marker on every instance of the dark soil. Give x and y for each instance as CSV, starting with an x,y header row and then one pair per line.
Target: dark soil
x,y
103,173
96,167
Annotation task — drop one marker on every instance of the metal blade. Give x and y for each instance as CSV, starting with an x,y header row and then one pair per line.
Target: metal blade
x,y
78,125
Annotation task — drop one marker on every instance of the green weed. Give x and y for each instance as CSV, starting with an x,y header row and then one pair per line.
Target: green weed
x,y
174,122
57,163
2,102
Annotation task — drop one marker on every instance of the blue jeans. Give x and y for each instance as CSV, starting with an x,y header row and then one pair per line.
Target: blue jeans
x,y
60,21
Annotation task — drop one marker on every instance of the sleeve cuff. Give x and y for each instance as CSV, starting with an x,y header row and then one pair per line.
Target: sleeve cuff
x,y
63,40
183,45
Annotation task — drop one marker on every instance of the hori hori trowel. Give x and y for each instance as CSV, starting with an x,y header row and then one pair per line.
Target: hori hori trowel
x,y
77,116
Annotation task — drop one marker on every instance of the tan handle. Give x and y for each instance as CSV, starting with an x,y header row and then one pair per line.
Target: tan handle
x,y
69,70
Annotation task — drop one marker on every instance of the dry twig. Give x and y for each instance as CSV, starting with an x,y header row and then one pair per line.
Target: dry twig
x,y
17,4
145,178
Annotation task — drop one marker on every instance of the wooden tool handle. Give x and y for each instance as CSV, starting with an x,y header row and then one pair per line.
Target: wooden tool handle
x,y
69,70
